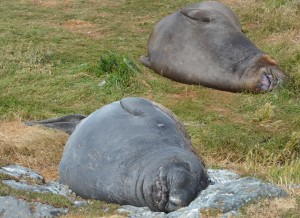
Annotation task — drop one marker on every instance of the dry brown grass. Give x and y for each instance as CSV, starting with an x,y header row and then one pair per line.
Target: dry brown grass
x,y
276,208
34,147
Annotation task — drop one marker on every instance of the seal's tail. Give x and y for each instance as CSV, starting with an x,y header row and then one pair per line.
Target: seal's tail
x,y
66,123
146,60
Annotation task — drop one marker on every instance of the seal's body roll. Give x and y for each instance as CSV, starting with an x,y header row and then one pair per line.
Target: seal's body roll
x,y
204,44
133,152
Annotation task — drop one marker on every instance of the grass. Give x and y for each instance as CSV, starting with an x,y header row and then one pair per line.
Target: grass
x,y
63,57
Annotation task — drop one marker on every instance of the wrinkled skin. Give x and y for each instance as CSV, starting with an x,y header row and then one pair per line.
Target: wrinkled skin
x,y
132,151
204,44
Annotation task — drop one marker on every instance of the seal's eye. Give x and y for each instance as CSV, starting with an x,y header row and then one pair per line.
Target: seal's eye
x,y
206,19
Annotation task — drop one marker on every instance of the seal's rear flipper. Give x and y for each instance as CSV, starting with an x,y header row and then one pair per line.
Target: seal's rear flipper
x,y
146,61
66,123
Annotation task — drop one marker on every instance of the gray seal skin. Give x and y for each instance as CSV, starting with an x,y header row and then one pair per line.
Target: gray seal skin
x,y
134,152
66,123
204,44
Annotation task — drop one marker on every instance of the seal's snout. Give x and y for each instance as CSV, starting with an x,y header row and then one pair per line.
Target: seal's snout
x,y
181,197
174,204
183,188
270,78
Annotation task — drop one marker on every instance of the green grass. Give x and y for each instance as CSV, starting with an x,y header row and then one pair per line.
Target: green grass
x,y
55,58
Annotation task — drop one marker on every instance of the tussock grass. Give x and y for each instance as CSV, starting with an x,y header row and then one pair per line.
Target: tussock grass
x,y
266,112
120,71
54,60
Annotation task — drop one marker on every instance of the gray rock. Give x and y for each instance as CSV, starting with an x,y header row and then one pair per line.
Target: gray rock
x,y
20,172
58,188
23,185
52,187
80,203
231,195
11,207
221,176
44,210
227,193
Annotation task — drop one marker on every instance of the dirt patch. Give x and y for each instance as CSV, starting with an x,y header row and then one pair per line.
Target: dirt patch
x,y
34,147
79,26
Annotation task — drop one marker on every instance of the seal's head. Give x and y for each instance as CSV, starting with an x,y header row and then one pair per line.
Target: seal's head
x,y
269,74
176,187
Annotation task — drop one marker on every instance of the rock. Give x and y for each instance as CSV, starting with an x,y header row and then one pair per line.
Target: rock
x,y
52,187
29,180
217,176
231,195
44,210
58,188
20,173
80,203
226,194
11,207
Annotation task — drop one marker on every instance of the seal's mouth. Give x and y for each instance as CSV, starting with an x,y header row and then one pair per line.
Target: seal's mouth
x,y
269,80
160,192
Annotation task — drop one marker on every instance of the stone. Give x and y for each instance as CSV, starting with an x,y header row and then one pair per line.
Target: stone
x,y
44,210
20,172
226,193
52,187
11,207
221,176
29,180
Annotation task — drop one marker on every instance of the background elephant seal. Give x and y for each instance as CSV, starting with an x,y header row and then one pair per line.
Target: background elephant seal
x,y
133,152
204,44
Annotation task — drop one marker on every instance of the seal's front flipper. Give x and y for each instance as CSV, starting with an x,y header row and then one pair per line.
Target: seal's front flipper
x,y
137,106
66,123
146,61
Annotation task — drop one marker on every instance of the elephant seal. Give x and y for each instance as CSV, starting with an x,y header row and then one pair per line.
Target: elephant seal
x,y
132,151
203,44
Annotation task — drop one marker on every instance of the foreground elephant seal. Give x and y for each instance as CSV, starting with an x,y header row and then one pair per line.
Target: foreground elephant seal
x,y
203,44
133,152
